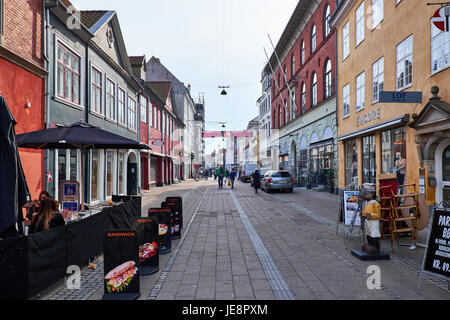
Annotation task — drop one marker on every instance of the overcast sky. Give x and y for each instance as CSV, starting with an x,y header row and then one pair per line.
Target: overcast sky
x,y
206,43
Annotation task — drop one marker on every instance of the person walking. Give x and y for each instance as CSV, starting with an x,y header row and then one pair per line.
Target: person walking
x,y
233,175
256,179
220,175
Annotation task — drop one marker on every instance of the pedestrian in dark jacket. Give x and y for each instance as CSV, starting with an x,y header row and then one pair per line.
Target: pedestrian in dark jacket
x,y
233,175
256,179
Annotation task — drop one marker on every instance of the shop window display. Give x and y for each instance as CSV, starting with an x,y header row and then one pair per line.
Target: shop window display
x,y
393,143
369,167
351,163
321,159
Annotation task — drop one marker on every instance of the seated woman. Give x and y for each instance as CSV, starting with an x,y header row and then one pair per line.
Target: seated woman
x,y
32,210
47,217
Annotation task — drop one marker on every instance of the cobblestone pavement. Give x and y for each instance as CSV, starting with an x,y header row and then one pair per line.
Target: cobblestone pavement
x,y
238,245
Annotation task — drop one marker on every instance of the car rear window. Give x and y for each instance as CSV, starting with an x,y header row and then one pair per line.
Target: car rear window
x,y
281,175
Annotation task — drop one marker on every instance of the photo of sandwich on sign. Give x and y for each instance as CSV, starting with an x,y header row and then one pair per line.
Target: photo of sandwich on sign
x,y
119,278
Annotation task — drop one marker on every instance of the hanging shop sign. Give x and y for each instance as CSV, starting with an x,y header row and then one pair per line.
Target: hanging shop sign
x,y
351,207
437,253
148,239
164,216
400,97
441,19
368,117
121,265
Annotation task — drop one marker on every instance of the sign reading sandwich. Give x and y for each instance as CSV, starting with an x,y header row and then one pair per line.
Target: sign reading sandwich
x,y
147,229
121,261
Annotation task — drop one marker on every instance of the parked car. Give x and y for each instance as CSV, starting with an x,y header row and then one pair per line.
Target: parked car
x,y
277,180
261,172
245,178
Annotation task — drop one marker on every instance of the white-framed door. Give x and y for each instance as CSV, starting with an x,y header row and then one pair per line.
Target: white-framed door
x,y
442,161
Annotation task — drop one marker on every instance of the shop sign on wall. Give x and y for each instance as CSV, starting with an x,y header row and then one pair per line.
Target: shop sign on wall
x,y
368,117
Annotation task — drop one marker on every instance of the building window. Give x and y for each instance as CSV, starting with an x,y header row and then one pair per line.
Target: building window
x,y
405,63
393,142
369,164
345,41
303,97
327,22
68,75
95,175
292,65
293,106
377,79
346,100
314,89
313,38
302,52
143,103
360,92
96,91
440,49
279,83
279,117
110,99
284,75
109,173
121,168
328,79
351,163
360,24
121,110
131,114
377,12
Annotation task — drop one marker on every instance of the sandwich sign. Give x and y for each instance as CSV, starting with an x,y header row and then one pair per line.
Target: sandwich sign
x,y
121,265
441,19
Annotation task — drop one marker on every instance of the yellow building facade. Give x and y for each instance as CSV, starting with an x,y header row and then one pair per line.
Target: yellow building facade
x,y
392,45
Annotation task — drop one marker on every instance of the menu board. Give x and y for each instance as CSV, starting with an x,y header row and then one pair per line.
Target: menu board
x,y
148,239
179,201
437,255
164,216
351,207
175,230
121,265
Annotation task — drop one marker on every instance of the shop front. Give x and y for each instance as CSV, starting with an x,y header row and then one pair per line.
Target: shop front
x,y
432,129
379,152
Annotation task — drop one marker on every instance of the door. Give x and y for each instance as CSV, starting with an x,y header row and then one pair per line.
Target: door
x,y
132,177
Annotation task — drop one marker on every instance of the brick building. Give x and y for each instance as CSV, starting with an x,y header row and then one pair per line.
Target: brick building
x,y
22,77
303,96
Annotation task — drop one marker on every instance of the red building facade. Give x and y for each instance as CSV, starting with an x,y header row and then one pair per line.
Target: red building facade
x,y
307,61
22,78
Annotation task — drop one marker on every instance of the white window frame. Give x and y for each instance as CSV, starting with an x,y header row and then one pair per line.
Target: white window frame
x,y
359,25
346,100
292,100
328,79
377,79
66,47
302,52
313,38
377,13
346,41
314,90
125,108
402,55
327,28
303,97
360,91
112,115
131,124
102,84
440,42
143,108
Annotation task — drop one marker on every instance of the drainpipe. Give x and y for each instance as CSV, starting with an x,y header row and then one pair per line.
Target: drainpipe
x,y
336,95
45,43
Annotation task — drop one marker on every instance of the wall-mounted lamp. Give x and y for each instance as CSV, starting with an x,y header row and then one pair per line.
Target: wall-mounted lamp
x,y
28,105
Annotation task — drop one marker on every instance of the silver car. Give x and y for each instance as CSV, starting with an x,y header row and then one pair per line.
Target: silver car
x,y
277,180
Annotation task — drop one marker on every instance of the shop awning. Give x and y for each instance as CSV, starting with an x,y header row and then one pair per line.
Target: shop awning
x,y
383,125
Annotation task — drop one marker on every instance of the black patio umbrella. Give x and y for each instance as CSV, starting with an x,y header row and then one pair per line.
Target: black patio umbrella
x,y
80,135
13,188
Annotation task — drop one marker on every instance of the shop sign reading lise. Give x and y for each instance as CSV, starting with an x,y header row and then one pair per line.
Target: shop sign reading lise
x,y
368,117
